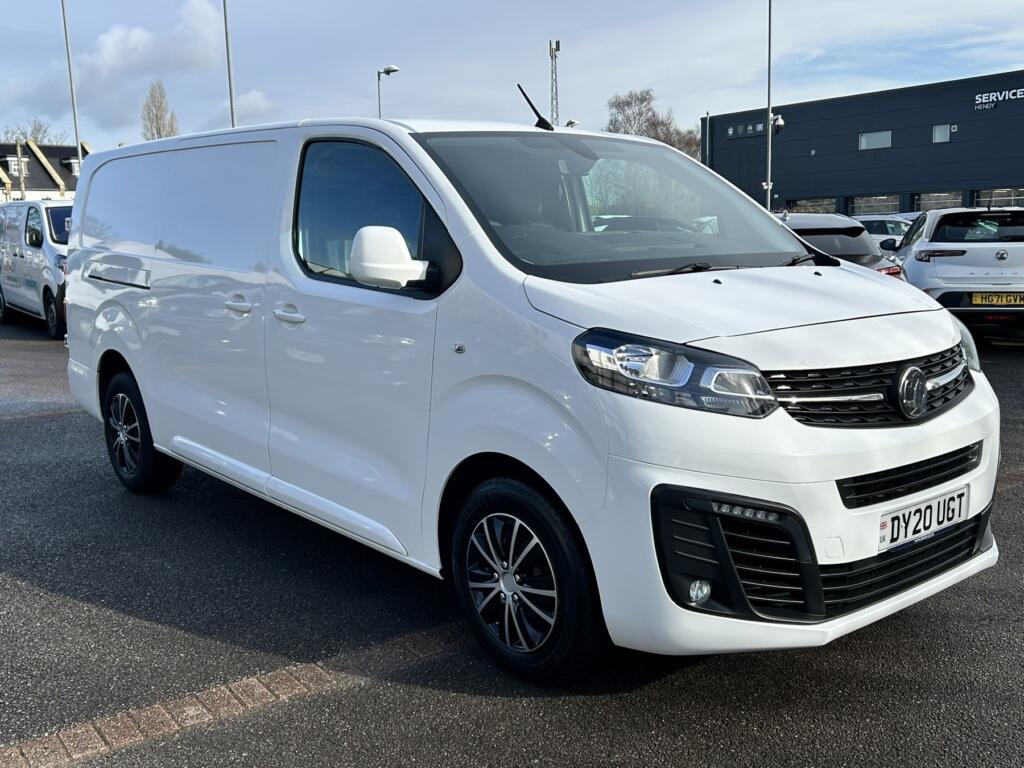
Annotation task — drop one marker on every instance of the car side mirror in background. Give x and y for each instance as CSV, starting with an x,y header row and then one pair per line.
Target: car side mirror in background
x,y
889,244
34,238
380,258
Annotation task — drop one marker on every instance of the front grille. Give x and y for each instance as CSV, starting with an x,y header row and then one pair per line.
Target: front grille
x,y
864,490
865,396
766,569
855,585
766,563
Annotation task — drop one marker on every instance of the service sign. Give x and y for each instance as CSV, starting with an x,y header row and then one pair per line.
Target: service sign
x,y
991,100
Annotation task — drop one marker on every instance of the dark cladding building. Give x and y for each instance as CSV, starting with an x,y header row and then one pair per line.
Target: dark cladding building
x,y
959,142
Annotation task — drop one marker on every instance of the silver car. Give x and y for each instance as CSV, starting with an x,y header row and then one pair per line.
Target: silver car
x,y
842,237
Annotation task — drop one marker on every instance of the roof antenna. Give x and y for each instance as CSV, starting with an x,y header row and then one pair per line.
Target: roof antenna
x,y
542,122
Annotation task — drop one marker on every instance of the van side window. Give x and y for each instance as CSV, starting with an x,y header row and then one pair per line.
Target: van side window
x,y
345,186
33,223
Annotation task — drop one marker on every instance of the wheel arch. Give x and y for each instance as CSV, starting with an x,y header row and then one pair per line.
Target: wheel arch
x,y
480,467
110,363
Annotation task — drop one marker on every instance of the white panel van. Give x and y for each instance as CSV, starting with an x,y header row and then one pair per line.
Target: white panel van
x,y
579,375
33,246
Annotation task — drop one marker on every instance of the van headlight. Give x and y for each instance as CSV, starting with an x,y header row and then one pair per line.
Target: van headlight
x,y
970,348
672,374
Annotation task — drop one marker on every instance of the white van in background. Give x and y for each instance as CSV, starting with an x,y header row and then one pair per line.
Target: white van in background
x,y
33,249
581,376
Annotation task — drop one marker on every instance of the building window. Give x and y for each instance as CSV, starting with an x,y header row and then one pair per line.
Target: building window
x,y
876,140
72,165
940,133
812,205
999,197
927,201
13,166
865,204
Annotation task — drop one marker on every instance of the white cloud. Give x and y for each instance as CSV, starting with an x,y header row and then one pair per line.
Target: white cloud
x,y
254,107
114,72
251,108
118,50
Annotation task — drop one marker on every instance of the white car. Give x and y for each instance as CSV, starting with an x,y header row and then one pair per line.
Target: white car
x,y
691,440
970,260
882,227
33,249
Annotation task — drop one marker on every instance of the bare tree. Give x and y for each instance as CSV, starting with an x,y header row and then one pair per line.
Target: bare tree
x,y
158,119
634,112
36,129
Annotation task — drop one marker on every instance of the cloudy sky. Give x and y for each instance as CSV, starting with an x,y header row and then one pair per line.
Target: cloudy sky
x,y
461,59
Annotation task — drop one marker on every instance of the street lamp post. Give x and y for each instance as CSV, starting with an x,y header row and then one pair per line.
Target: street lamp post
x,y
71,83
770,127
231,77
389,70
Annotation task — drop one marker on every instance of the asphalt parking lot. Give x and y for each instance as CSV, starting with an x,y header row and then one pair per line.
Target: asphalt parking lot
x,y
112,603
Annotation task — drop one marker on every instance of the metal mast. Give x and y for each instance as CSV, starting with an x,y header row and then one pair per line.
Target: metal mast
x,y
554,46
770,128
71,83
231,77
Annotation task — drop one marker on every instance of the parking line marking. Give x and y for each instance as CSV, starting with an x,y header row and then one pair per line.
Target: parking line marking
x,y
217,703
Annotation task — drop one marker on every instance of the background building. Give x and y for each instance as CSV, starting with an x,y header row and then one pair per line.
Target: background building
x,y
43,171
928,146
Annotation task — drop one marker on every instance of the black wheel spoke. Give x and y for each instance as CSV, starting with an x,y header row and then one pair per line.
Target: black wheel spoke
x,y
526,601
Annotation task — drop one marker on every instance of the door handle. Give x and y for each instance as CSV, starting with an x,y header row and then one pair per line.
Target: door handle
x,y
289,314
237,303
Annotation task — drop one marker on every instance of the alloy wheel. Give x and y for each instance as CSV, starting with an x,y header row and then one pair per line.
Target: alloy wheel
x,y
123,427
51,316
512,582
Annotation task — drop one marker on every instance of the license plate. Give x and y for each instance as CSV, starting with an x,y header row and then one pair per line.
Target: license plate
x,y
924,519
998,299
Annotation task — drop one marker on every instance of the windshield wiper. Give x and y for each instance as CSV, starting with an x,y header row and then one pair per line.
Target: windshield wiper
x,y
693,266
799,260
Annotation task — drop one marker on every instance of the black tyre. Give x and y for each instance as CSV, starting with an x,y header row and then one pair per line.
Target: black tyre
x,y
55,327
524,583
5,312
137,464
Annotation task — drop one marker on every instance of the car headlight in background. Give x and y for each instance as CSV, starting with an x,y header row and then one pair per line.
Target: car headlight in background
x,y
672,374
970,348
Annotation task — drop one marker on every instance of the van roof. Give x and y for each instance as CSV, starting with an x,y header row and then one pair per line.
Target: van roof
x,y
389,126
48,202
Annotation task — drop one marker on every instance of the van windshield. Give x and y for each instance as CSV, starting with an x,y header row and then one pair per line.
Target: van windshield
x,y
60,218
588,209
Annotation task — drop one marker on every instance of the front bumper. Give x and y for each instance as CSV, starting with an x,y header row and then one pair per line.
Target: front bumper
x,y
638,608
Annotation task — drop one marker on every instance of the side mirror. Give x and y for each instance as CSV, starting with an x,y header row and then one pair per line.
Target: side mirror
x,y
889,244
380,258
34,238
